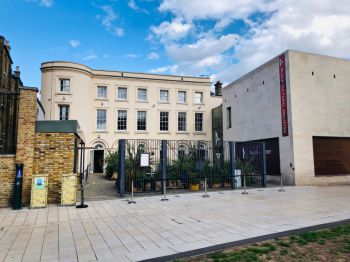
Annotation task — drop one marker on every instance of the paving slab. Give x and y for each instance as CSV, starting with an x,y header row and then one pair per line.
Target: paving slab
x,y
113,230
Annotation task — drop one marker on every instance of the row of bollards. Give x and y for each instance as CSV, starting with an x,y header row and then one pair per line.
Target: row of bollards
x,y
164,198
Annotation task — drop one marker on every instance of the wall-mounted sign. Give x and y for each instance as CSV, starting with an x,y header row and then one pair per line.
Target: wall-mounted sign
x,y
283,93
39,191
144,160
39,183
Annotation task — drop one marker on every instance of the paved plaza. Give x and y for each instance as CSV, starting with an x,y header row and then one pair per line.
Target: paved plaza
x,y
113,230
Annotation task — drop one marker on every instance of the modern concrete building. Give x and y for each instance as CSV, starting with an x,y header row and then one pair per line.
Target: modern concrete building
x,y
113,105
298,103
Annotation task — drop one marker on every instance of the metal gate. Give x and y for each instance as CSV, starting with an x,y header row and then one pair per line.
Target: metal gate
x,y
8,121
187,164
251,160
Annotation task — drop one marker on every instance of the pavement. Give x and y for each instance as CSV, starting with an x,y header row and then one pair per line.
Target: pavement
x,y
113,230
98,187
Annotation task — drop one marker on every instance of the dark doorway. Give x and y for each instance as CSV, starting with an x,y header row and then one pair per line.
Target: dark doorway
x,y
98,161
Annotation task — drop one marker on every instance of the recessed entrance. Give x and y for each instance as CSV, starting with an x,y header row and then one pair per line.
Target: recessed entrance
x,y
98,159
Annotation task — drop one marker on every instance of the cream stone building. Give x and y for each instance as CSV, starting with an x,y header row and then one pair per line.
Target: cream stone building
x,y
113,105
299,104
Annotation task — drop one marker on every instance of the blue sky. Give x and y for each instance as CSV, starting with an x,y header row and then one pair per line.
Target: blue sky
x,y
220,38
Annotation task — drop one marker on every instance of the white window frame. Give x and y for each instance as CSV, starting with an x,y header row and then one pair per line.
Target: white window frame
x,y
178,121
101,87
167,96
62,86
97,120
195,98
178,97
67,112
137,94
126,93
126,121
137,119
202,124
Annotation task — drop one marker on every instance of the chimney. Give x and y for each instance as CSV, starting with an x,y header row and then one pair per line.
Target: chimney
x,y
7,44
218,88
2,41
17,72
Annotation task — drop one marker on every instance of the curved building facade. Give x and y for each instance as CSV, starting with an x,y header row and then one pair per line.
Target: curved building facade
x,y
113,105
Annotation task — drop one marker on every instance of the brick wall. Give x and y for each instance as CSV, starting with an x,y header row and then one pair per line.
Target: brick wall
x,y
7,174
25,138
54,155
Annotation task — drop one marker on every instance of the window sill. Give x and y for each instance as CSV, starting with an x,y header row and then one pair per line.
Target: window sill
x,y
122,100
100,131
141,132
199,133
7,155
163,102
122,132
182,133
63,94
185,103
101,99
164,132
140,101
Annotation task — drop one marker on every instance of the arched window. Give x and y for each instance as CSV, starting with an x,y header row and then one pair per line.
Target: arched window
x,y
201,151
99,146
181,151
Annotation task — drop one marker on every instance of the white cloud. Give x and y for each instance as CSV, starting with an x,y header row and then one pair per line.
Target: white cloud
x,y
166,69
271,27
74,43
45,3
108,21
153,56
173,30
132,55
89,56
201,49
133,6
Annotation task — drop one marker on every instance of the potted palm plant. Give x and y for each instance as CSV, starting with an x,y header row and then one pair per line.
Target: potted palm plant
x,y
111,162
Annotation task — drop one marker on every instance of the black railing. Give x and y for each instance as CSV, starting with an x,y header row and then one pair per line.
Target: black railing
x,y
188,164
8,122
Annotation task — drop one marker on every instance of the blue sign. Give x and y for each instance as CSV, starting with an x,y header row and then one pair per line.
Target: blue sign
x,y
19,173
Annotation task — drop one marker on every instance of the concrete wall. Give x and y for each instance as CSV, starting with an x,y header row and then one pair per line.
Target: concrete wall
x,y
84,103
320,107
256,111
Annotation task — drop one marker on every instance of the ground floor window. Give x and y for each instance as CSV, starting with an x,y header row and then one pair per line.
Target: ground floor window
x,y
164,121
198,122
122,120
141,120
181,121
64,112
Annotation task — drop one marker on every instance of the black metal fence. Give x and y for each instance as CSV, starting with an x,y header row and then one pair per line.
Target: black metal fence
x,y
8,121
185,164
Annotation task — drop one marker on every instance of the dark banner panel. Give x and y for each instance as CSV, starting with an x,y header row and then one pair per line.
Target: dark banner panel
x,y
272,153
331,155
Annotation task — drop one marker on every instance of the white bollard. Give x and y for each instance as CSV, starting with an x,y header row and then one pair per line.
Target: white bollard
x,y
205,188
281,189
132,194
245,192
164,192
